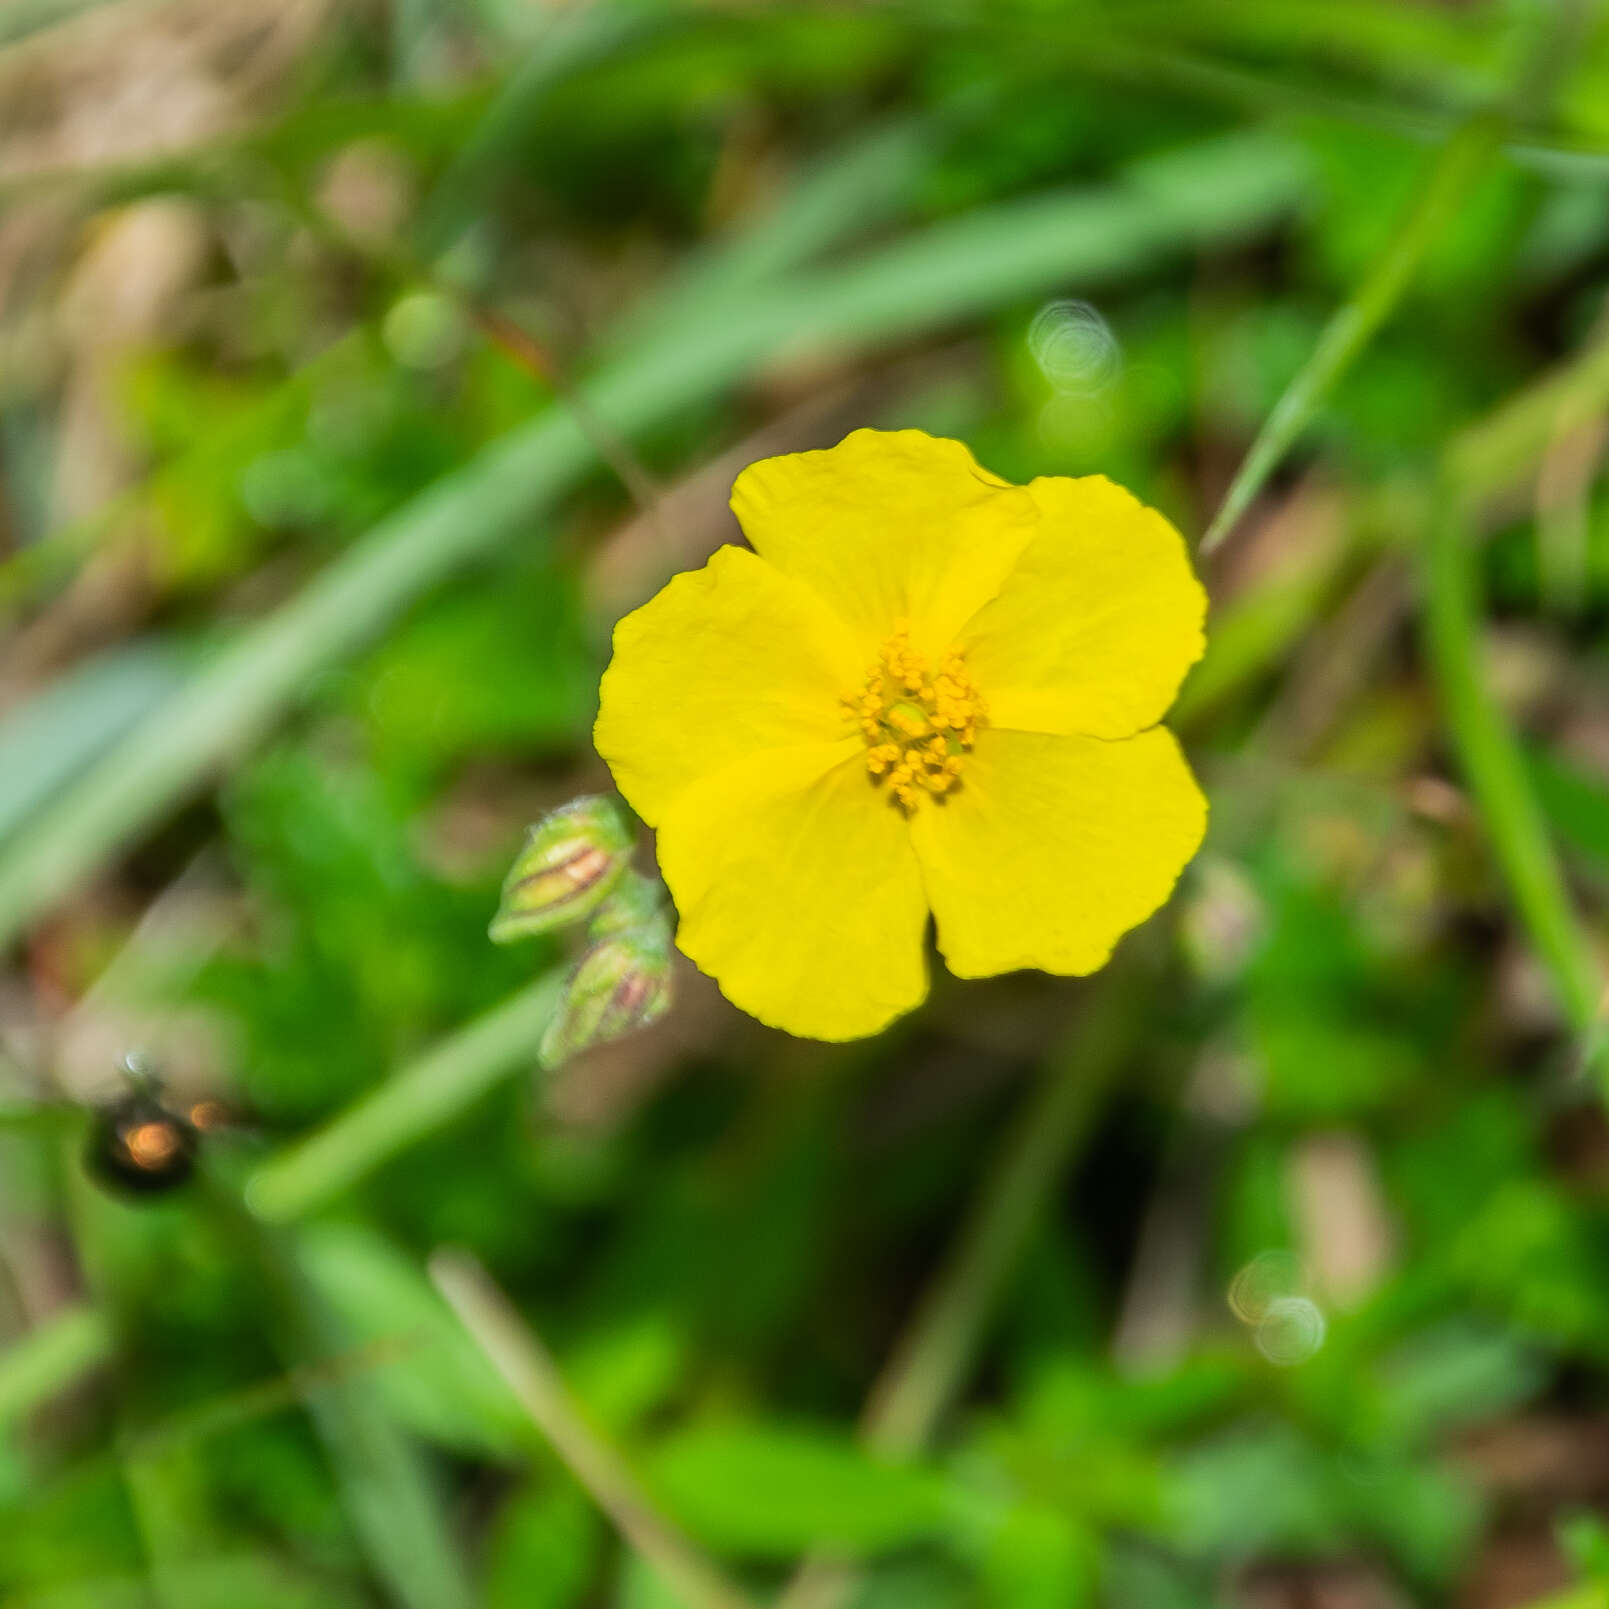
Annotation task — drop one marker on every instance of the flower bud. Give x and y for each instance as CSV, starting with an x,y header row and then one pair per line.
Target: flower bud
x,y
620,984
571,861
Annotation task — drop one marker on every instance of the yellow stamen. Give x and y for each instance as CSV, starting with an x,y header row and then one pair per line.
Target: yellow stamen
x,y
917,727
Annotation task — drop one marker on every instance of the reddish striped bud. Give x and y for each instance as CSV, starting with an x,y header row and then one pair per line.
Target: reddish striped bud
x,y
573,858
622,983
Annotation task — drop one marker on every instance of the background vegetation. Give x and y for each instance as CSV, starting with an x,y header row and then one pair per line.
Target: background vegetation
x,y
359,364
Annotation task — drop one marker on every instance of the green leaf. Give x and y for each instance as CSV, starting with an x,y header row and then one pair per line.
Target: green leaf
x,y
1040,1559
1455,1375
545,1548
628,1369
773,1490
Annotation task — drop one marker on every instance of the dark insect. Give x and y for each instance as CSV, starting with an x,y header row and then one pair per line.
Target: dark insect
x,y
136,1145
142,1138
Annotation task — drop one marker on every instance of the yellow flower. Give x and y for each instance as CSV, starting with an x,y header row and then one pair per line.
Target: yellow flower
x,y
926,689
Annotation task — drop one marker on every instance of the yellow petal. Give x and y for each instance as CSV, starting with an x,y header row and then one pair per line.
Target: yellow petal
x,y
799,892
1095,628
1054,847
889,526
725,663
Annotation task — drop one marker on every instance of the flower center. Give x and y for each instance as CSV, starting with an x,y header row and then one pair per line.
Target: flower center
x,y
917,726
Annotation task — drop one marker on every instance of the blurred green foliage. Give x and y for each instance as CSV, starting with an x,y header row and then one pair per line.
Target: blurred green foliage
x,y
341,416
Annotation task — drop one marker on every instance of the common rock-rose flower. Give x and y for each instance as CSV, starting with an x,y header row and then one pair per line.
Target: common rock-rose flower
x,y
926,689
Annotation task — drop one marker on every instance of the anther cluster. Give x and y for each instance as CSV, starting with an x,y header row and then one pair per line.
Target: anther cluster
x,y
917,726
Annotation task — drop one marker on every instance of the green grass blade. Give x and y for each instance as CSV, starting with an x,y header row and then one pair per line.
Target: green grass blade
x,y
534,1379
51,738
1455,169
436,1088
858,184
1499,455
572,41
929,1367
944,274
390,1495
1494,764
1264,94
50,1358
387,1486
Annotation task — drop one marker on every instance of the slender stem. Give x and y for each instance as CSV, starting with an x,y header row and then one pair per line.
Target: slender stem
x,y
928,1368
432,1090
534,1378
49,1358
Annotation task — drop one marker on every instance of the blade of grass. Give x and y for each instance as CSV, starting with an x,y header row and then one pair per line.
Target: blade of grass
x,y
928,1368
1480,466
571,39
535,1380
1492,463
860,183
190,1428
1264,93
72,721
1494,764
1129,48
1458,53
1456,167
51,1357
386,1484
1266,619
1460,162
87,1216
1500,455
431,1091
929,280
